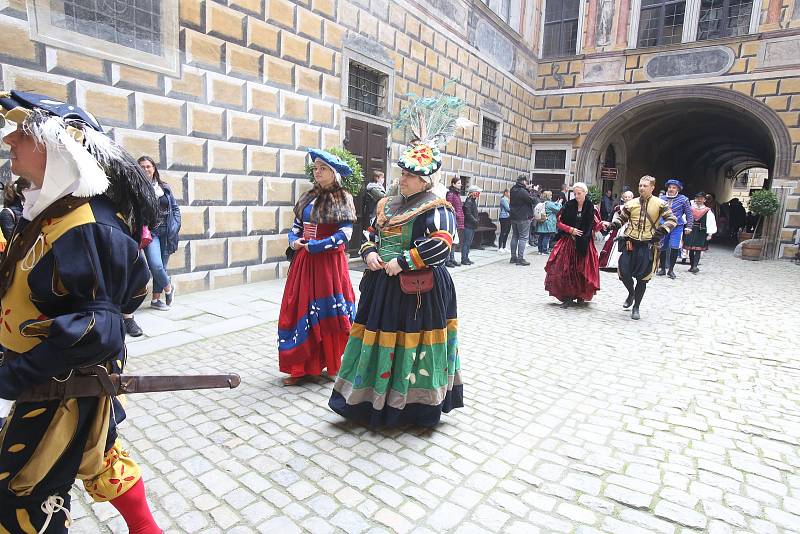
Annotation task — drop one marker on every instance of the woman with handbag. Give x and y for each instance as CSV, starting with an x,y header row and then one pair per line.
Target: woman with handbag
x,y
318,305
572,269
163,238
401,364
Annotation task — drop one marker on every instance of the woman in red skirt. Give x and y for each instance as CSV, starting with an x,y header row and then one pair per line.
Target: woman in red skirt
x,y
572,270
318,305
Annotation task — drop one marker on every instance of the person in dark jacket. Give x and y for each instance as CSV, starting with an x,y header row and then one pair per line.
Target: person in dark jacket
x,y
470,209
12,206
738,217
165,237
607,206
521,214
454,198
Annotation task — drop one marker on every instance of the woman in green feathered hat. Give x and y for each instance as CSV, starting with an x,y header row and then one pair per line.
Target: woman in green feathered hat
x,y
401,363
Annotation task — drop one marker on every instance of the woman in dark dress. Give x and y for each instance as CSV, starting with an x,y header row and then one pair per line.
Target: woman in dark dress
x,y
401,364
573,271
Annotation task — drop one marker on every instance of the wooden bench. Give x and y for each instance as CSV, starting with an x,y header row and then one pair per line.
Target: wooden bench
x,y
485,233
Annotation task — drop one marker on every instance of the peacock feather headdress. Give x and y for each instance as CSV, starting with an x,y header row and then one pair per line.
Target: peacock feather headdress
x,y
432,121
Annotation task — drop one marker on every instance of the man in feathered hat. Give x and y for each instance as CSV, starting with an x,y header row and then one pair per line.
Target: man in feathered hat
x,y
71,270
671,244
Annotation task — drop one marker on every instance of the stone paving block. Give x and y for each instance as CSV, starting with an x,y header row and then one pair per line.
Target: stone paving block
x,y
270,459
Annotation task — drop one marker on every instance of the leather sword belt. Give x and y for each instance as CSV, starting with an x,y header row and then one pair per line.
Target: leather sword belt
x,y
96,381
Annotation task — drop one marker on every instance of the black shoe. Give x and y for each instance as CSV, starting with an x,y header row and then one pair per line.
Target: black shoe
x,y
456,264
523,262
661,272
671,274
628,301
131,328
635,314
467,262
513,260
449,264
169,296
566,304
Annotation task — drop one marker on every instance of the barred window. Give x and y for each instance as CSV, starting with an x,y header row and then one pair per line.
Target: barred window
x,y
142,33
489,137
135,24
724,18
550,159
661,22
366,90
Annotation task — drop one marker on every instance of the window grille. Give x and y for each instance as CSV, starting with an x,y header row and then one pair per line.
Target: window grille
x,y
661,22
724,18
134,24
489,137
550,159
366,90
560,28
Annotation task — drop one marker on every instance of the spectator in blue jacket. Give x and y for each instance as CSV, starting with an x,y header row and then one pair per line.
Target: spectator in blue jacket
x,y
547,228
505,221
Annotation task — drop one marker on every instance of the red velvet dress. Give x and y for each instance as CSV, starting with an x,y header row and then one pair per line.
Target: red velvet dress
x,y
318,306
570,276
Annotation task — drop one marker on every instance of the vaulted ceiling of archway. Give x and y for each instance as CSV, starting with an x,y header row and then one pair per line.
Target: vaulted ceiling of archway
x,y
693,140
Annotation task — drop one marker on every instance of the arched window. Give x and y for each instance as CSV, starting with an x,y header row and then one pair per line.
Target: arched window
x,y
610,158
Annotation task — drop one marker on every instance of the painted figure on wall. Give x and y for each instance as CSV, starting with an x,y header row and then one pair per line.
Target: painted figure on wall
x,y
605,19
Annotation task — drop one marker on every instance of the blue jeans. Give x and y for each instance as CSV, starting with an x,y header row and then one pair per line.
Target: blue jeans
x,y
469,235
156,260
519,237
544,242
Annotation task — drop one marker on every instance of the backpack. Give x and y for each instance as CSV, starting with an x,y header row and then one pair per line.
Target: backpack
x,y
539,212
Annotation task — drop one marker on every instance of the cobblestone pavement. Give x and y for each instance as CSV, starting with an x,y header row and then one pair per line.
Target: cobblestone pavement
x,y
577,420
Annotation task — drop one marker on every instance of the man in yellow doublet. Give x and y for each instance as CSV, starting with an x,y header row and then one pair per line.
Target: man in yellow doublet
x,y
72,268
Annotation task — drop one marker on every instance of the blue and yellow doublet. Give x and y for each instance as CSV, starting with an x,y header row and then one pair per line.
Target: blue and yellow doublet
x,y
63,310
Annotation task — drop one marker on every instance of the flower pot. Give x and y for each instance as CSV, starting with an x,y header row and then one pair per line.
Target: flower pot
x,y
744,236
752,249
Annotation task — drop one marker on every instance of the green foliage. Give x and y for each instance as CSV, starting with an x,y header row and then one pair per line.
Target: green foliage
x,y
595,194
353,183
764,203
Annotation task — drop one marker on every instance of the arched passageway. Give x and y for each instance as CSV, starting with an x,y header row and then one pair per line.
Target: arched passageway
x,y
704,136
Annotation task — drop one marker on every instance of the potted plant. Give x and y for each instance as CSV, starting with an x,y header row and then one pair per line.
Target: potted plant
x,y
763,203
595,194
353,183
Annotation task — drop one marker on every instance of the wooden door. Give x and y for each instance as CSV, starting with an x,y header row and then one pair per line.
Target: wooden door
x,y
367,142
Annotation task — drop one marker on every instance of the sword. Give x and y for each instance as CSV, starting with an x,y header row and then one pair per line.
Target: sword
x,y
96,381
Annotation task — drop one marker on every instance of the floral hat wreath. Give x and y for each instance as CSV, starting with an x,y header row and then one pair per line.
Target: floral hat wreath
x,y
432,121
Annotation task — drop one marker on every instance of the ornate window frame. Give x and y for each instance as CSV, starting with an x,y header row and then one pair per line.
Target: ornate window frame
x,y
168,62
691,21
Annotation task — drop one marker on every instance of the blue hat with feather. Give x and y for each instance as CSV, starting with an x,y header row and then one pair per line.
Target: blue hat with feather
x,y
331,160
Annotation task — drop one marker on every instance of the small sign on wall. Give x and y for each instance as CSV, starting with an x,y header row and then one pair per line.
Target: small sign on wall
x,y
608,173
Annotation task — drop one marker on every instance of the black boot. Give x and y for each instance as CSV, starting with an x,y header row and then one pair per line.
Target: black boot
x,y
662,263
672,260
695,259
641,287
629,286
